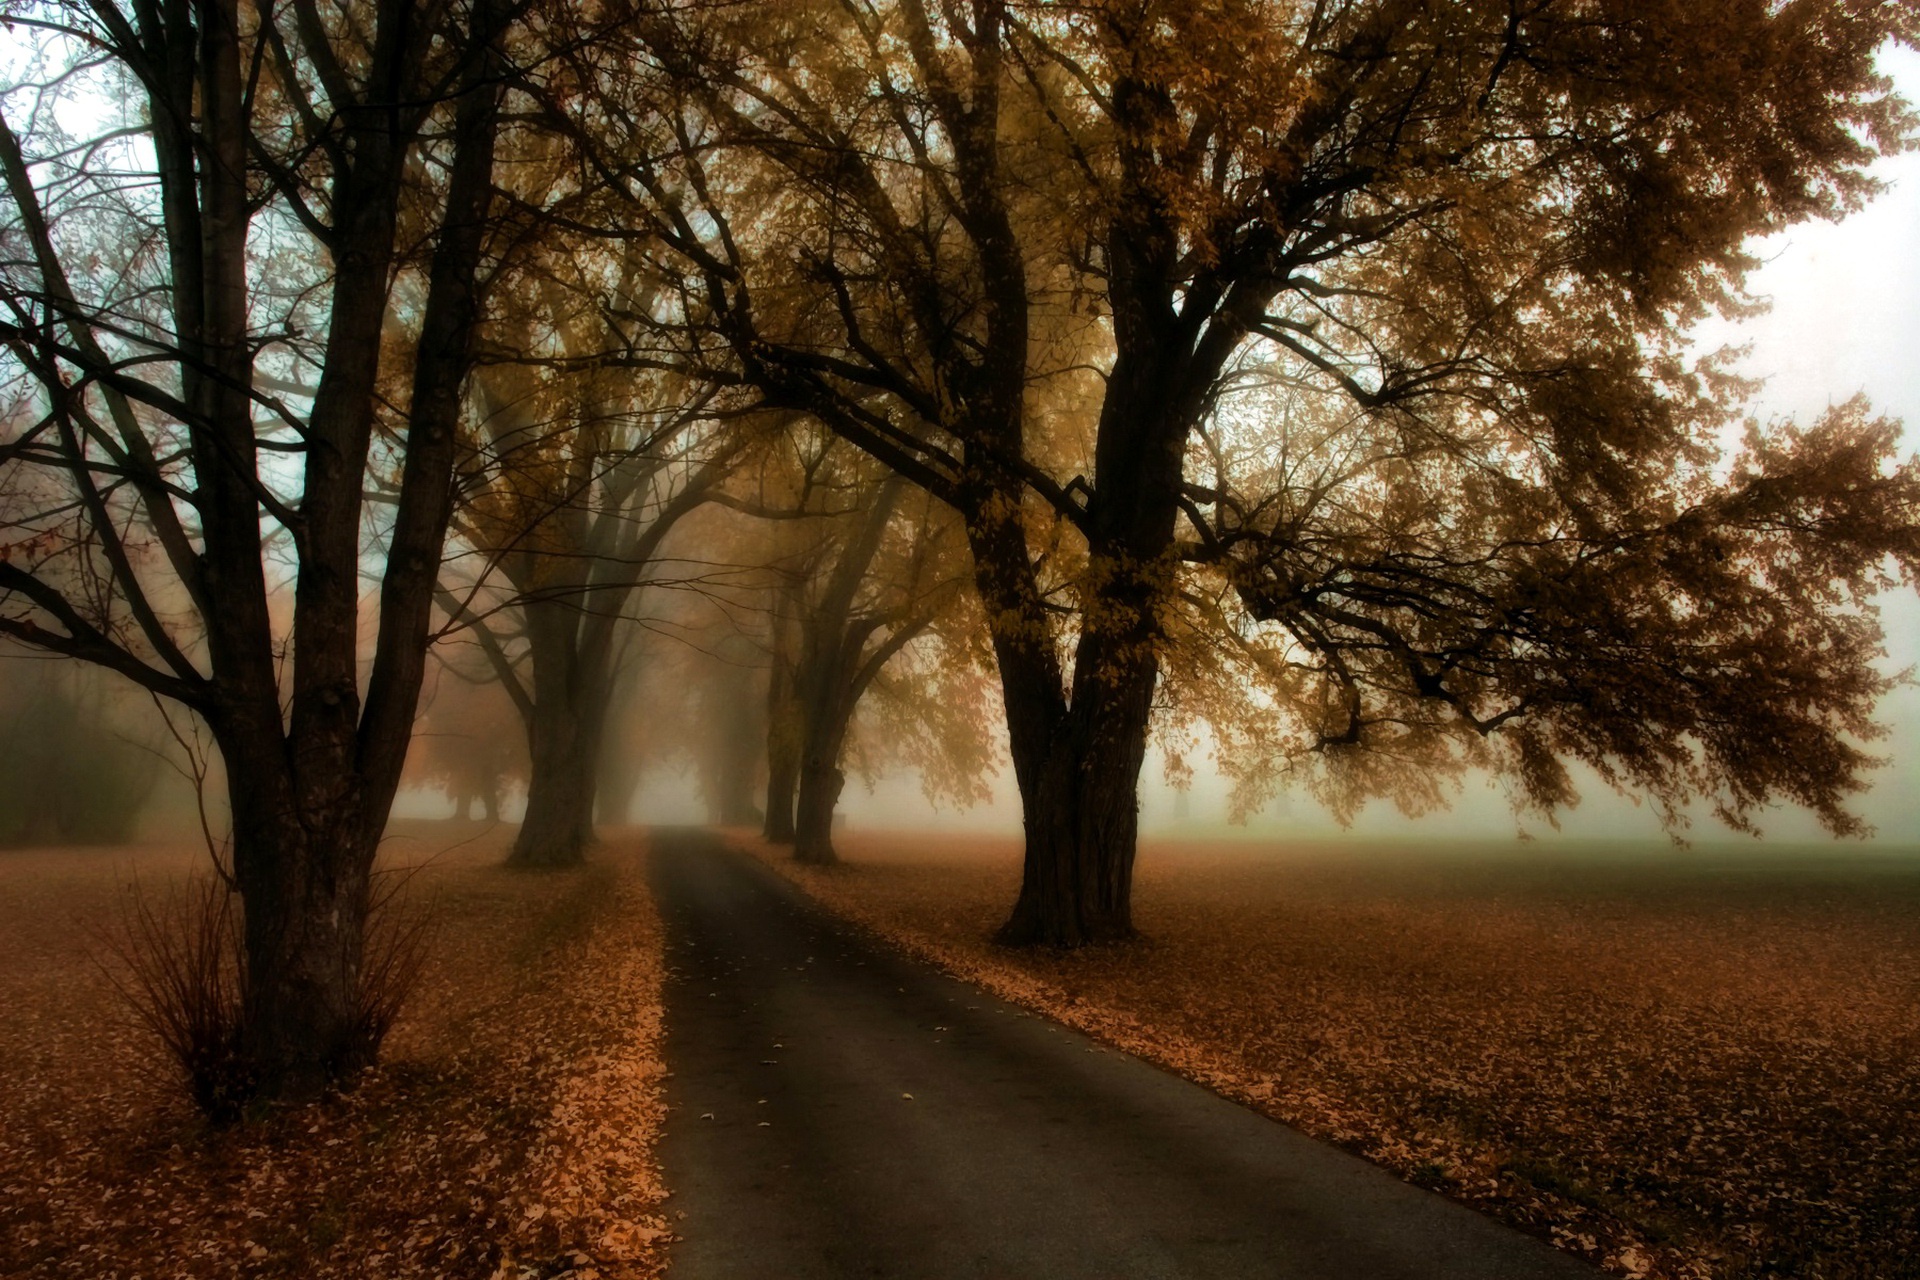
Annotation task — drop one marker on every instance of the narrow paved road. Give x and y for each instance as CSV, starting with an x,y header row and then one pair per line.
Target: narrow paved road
x,y
838,1111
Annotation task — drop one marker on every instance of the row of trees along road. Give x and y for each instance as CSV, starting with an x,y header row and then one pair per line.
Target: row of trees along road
x,y
582,468
1316,368
866,571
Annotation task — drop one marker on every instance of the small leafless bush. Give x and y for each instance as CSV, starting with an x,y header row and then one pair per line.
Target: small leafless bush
x,y
399,928
183,973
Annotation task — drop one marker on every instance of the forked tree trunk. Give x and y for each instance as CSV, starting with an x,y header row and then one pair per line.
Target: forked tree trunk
x,y
1082,820
564,720
304,1024
1078,752
557,829
830,677
783,777
312,760
820,787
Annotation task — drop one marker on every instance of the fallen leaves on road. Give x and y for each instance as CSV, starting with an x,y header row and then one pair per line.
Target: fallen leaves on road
x,y
1676,1069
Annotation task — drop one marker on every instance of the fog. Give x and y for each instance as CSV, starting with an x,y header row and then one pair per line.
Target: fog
x,y
82,745
86,758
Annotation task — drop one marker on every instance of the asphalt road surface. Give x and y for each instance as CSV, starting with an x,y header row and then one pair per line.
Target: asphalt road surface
x,y
836,1110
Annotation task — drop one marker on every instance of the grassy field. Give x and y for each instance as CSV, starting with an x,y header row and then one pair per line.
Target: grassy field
x,y
1677,1063
508,1132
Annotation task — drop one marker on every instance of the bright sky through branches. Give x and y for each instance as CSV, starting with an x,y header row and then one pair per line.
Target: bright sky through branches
x,y
1846,319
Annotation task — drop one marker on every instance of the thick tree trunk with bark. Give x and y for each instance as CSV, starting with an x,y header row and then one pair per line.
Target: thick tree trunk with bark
x,y
565,724
783,779
303,853
1077,758
557,829
1080,796
304,1023
820,778
821,782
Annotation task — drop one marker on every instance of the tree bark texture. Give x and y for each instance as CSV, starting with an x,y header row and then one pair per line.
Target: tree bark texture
x,y
820,785
557,829
304,850
572,685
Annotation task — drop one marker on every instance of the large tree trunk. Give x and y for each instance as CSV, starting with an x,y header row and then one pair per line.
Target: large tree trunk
x,y
827,712
304,1024
565,756
1080,796
564,721
1077,757
783,777
821,781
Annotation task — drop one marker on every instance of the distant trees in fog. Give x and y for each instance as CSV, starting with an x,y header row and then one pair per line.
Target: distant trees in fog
x,y
80,756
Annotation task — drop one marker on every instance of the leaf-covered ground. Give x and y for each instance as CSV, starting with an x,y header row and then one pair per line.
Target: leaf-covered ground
x,y
507,1134
1676,1064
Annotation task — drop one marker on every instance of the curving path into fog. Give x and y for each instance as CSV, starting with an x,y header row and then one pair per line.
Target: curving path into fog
x,y
1025,1152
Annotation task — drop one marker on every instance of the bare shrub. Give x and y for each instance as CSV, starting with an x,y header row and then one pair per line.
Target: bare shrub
x,y
399,928
183,973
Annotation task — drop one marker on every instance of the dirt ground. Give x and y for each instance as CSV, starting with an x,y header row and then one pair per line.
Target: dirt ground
x,y
507,1134
1678,1064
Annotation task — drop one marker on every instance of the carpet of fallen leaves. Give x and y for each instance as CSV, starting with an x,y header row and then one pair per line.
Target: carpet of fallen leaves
x,y
1679,1066
507,1134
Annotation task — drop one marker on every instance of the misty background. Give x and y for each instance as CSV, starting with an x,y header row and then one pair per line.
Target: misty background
x,y
87,758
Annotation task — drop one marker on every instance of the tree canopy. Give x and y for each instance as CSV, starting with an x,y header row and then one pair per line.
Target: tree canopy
x,y
1345,340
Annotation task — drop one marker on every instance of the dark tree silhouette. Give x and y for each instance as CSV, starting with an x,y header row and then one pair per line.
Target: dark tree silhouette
x,y
165,488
